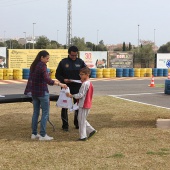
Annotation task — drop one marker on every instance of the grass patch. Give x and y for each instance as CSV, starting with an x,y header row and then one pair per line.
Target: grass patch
x,y
124,128
161,152
160,85
116,155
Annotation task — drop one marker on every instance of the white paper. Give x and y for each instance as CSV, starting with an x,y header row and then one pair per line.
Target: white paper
x,y
67,90
2,96
75,81
75,107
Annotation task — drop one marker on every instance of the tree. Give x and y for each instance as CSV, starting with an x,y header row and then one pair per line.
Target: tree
x,y
2,44
144,55
101,46
164,48
13,44
89,46
130,46
42,43
124,46
80,43
101,42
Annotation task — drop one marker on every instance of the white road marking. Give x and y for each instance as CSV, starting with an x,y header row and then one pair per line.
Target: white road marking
x,y
115,96
134,94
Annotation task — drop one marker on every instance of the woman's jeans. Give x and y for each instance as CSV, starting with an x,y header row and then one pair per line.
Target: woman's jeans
x,y
44,104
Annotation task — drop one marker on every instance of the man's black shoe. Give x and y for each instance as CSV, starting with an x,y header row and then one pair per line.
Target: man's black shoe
x,y
65,129
92,133
83,139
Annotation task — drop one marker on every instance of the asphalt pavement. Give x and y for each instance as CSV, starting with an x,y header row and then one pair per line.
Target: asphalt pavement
x,y
129,89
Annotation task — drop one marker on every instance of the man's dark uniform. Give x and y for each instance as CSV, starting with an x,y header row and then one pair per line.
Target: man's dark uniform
x,y
69,69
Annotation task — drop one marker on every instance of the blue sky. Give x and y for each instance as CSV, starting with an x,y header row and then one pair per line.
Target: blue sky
x,y
116,21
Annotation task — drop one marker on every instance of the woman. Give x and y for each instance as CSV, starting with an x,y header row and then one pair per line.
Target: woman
x,y
38,89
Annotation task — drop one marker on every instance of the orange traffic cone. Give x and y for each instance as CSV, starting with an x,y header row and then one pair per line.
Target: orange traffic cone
x,y
168,75
152,82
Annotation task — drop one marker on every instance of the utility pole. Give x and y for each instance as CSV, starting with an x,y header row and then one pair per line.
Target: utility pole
x,y
25,40
138,36
69,23
33,35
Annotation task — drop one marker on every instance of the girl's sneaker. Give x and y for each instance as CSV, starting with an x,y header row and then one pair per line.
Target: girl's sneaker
x,y
46,137
35,136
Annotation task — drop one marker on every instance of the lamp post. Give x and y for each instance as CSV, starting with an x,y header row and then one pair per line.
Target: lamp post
x,y
97,38
4,38
154,41
154,36
57,35
33,35
25,39
138,35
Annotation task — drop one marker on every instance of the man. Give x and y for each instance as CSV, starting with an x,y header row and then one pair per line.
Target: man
x,y
67,70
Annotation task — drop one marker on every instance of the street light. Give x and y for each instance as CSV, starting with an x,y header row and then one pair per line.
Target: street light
x,y
154,41
4,36
57,35
97,36
25,39
154,36
138,35
33,35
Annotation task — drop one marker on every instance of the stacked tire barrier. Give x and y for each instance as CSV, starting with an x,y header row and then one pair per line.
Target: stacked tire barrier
x,y
99,73
119,72
137,72
125,72
154,72
106,72
112,72
167,86
7,74
165,72
143,72
26,72
17,74
93,73
131,72
52,73
160,72
1,74
148,72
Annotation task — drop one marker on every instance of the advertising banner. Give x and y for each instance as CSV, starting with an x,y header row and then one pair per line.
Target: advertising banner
x,y
94,59
23,58
163,60
3,63
120,59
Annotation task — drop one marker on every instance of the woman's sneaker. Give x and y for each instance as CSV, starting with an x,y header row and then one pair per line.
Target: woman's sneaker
x,y
46,137
35,136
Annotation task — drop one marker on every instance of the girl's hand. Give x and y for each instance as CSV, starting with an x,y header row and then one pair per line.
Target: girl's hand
x,y
62,85
68,95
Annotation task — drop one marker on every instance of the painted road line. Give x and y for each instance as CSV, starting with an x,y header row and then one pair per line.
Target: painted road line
x,y
135,94
3,83
139,102
12,81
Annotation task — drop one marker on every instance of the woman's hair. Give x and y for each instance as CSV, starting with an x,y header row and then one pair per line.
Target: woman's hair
x,y
85,70
43,54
